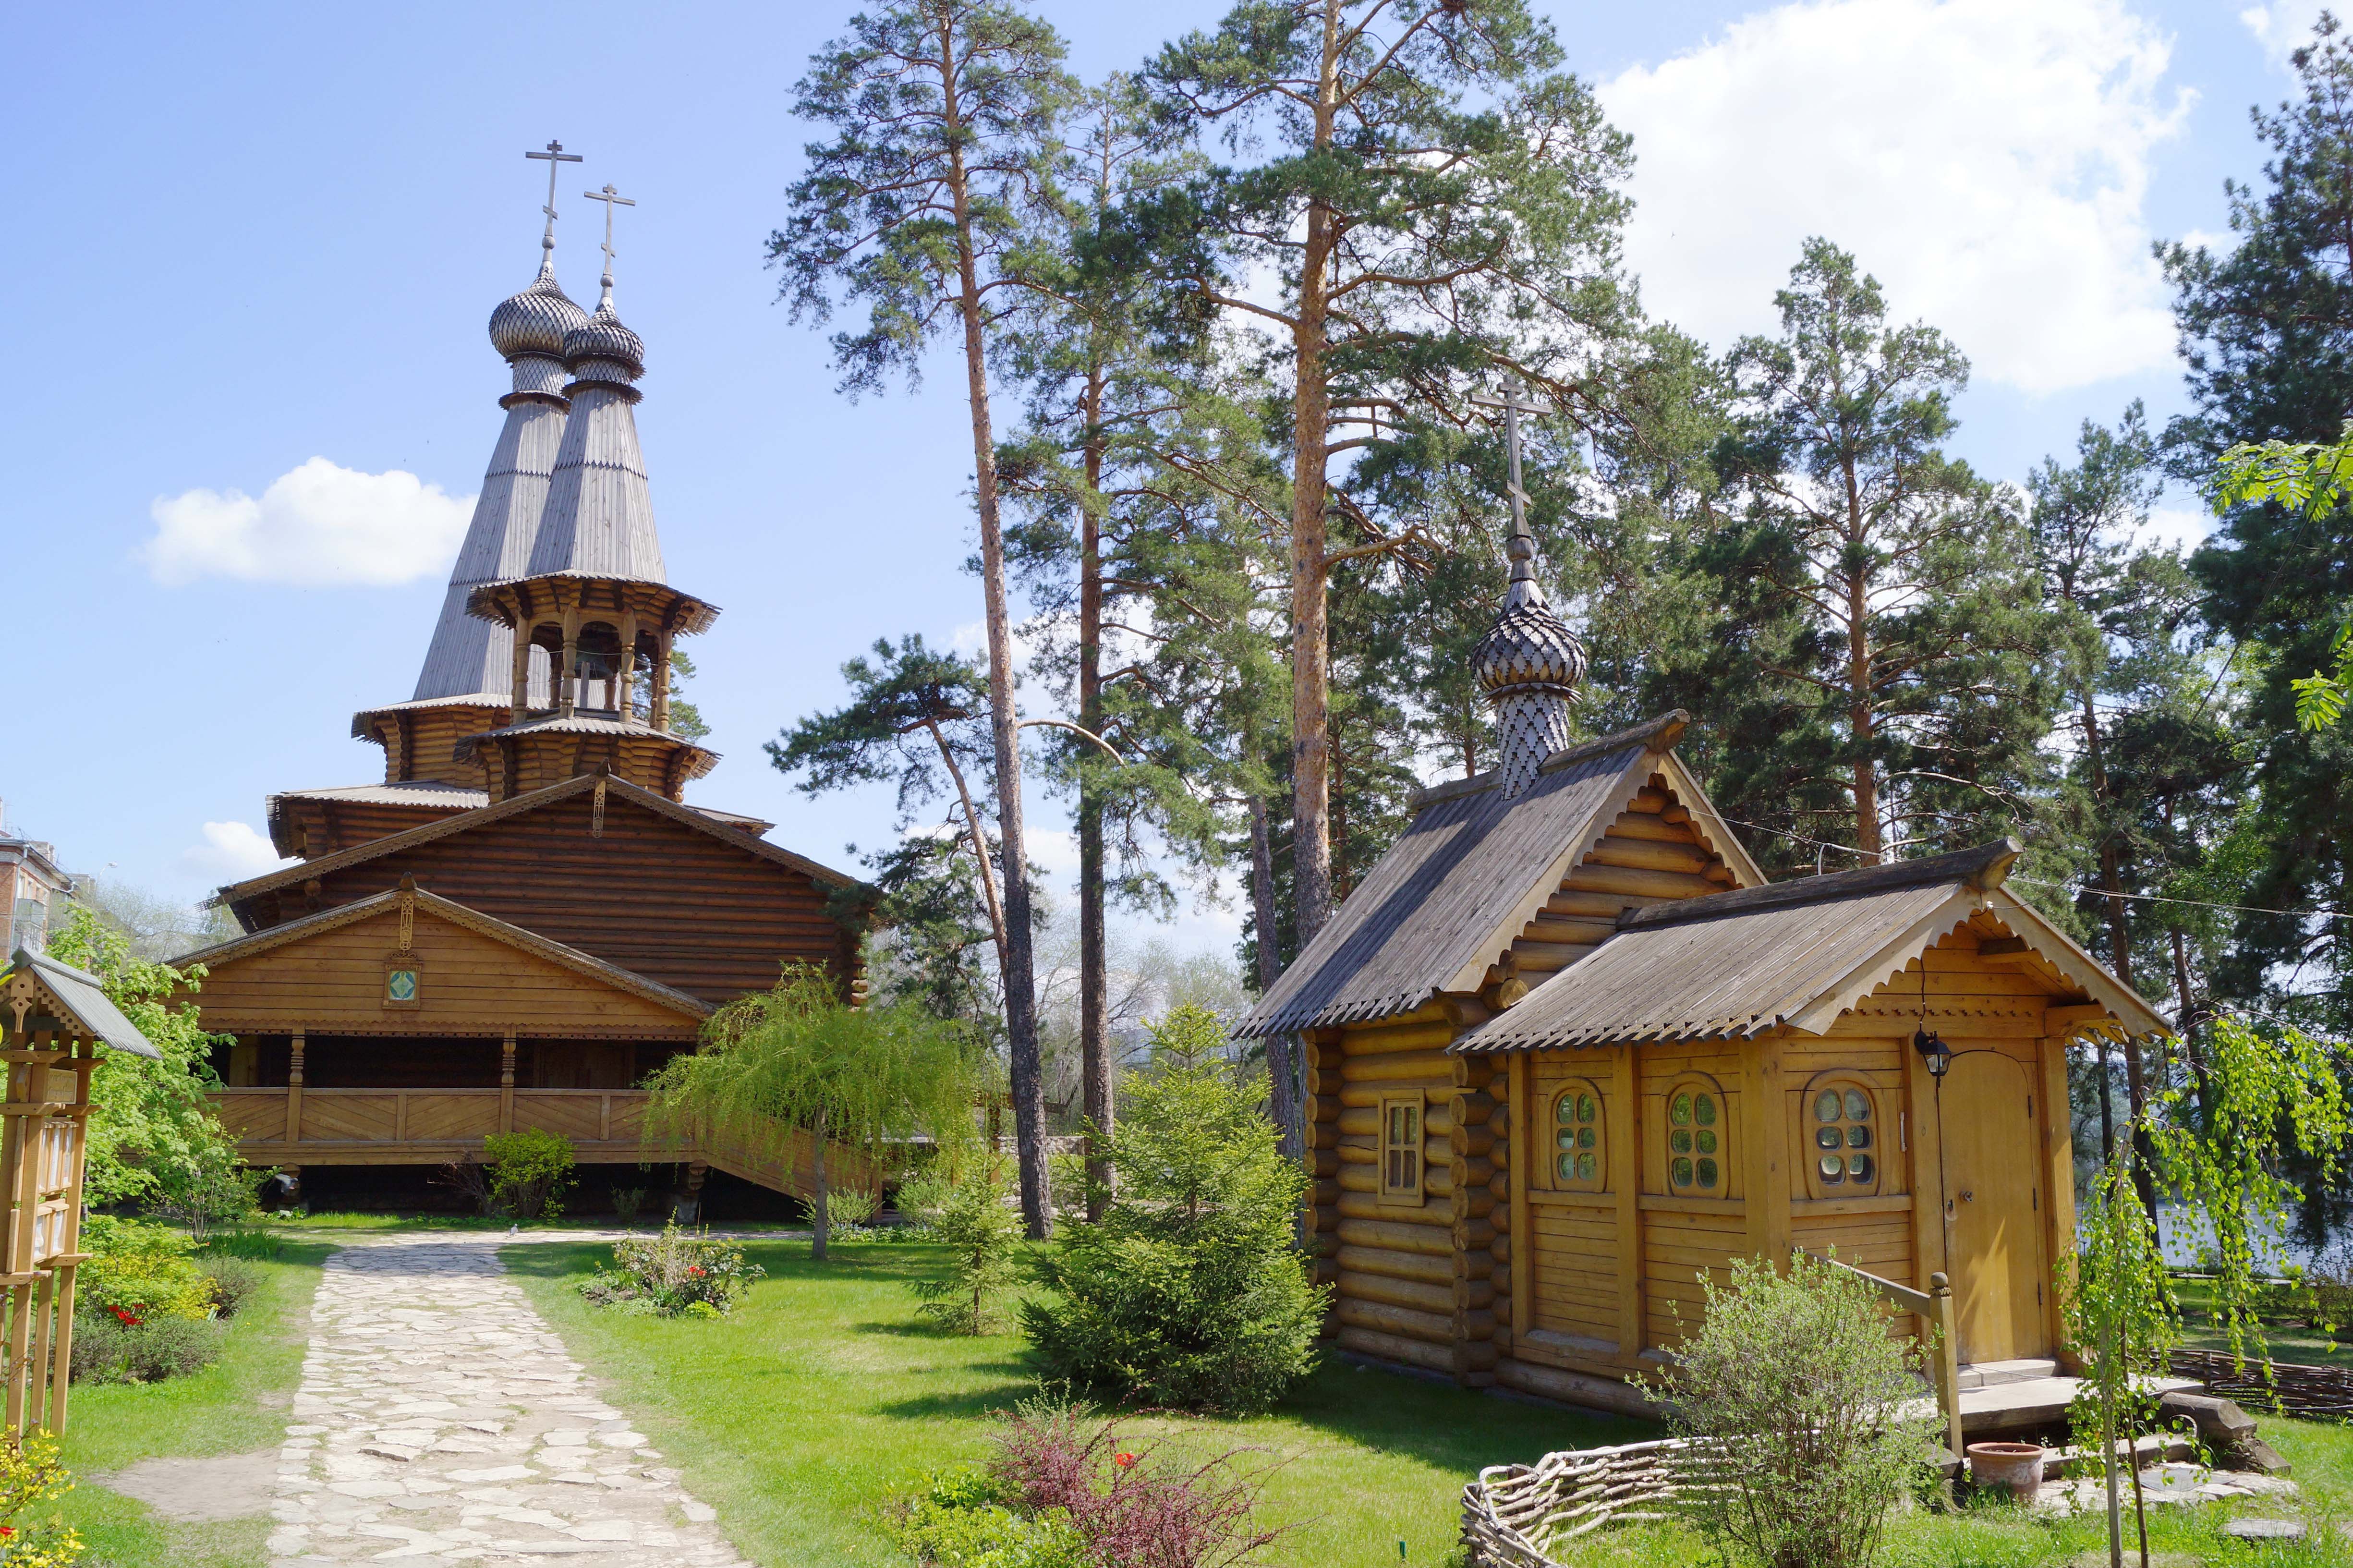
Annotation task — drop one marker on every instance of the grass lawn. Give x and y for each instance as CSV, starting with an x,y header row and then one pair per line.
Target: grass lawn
x,y
822,1398
234,1406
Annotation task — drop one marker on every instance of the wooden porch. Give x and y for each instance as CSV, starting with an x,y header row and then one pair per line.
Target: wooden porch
x,y
301,1126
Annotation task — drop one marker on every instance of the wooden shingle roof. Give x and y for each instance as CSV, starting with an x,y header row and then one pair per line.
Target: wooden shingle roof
x,y
1733,966
1469,866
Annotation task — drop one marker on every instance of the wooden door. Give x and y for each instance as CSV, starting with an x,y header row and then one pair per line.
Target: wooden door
x,y
1993,1205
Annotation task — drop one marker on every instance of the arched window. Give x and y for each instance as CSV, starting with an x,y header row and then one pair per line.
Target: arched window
x,y
1842,1136
1581,1160
1698,1140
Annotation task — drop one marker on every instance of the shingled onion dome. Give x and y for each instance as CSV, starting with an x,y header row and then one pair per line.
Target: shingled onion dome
x,y
603,337
1529,665
536,321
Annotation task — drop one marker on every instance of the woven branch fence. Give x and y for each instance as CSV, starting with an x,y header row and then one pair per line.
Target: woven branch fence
x,y
2320,1393
1518,1516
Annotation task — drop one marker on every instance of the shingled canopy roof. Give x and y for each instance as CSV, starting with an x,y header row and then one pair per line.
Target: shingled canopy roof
x,y
1733,966
81,1002
1471,866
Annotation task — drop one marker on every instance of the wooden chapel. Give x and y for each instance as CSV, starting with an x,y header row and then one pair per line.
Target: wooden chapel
x,y
1566,1050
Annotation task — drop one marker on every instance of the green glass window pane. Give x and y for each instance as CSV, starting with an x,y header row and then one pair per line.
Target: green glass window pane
x,y
1680,1113
1827,1108
1584,1138
1860,1164
1858,1106
1826,1137
1706,1143
1858,1138
1566,1106
1703,1109
1585,1167
1567,1137
1707,1172
1832,1167
1585,1109
1679,1173
1564,1165
1679,1140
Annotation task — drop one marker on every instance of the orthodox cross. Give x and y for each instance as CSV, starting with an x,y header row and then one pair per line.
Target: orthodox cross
x,y
553,158
1512,407
611,198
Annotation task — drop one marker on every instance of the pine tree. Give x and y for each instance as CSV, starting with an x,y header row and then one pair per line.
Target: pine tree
x,y
949,119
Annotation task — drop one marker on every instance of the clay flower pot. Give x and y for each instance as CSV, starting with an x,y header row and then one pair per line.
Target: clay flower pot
x,y
2015,1468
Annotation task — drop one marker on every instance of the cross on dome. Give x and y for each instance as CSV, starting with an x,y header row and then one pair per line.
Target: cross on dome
x,y
1530,662
555,157
611,198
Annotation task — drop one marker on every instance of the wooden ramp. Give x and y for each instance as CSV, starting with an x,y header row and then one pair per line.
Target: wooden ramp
x,y
784,1161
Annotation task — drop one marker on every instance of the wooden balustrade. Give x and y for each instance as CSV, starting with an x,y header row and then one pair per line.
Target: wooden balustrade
x,y
413,1127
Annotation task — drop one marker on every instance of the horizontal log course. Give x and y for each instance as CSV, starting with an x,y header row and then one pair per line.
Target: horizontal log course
x,y
1670,826
1611,1395
1361,1121
1327,1217
1477,1108
1437,1212
1430,1328
1474,1236
1397,1348
1324,1134
1649,801
1579,904
1638,854
1479,1139
1409,1037
1388,1291
1552,928
1630,879
1500,1249
1396,1264
1326,1189
1475,1296
1499,1278
1324,1161
1400,1066
1546,958
1394,1235
1326,1272
1354,1154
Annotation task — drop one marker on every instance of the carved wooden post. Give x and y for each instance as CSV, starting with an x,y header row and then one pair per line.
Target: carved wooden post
x,y
522,670
295,1091
506,1081
1948,1367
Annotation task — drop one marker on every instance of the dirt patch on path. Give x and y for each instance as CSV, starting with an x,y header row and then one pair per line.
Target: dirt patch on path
x,y
227,1486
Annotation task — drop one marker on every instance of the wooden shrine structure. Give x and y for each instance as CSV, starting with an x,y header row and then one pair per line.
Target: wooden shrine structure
x,y
55,1023
1568,1051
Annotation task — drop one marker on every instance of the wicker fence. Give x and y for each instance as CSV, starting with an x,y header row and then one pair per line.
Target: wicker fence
x,y
2319,1392
1518,1516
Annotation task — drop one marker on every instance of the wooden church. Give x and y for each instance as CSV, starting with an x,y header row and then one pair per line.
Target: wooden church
x,y
524,917
1566,1050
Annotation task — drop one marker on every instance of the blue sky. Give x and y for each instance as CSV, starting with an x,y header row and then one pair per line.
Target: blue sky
x,y
249,238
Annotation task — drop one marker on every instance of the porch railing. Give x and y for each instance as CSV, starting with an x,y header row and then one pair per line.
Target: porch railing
x,y
1934,1308
308,1120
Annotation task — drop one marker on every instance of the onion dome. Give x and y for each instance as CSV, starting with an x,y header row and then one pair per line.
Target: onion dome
x,y
1529,648
1529,664
537,320
602,336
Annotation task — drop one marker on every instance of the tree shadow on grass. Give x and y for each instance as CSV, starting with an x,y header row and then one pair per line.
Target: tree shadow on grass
x,y
968,1403
1451,1428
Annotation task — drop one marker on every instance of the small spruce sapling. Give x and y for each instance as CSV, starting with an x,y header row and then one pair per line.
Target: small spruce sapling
x,y
981,1236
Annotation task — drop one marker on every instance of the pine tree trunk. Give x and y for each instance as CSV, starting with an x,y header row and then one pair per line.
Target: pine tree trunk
x,y
1861,716
1311,653
1020,983
1094,1051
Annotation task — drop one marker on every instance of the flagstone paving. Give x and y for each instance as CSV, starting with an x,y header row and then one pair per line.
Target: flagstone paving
x,y
439,1421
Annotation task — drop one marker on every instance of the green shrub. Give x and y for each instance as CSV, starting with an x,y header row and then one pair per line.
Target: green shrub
x,y
958,1523
626,1202
1795,1376
852,1208
529,1172
260,1245
108,1349
233,1279
142,1271
982,1235
29,1474
1189,1292
675,1273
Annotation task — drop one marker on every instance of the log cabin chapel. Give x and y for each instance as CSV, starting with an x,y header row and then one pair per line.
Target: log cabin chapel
x,y
524,917
1566,1048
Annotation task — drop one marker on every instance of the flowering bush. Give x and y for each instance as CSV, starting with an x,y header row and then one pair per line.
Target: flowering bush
x,y
673,1274
1062,1490
29,1474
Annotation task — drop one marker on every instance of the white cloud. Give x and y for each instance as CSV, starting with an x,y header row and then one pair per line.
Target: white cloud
x,y
231,853
319,525
1985,159
2283,26
2182,527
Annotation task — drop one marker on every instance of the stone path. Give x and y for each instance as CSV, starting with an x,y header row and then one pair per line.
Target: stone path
x,y
439,1421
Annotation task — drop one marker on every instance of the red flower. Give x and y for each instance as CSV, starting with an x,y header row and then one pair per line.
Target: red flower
x,y
125,1317
693,1271
1124,1460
